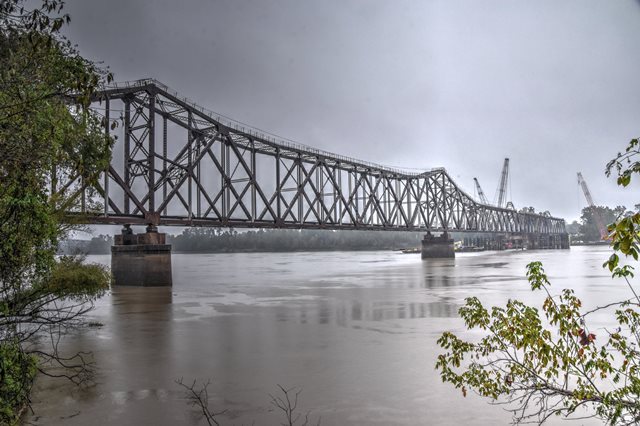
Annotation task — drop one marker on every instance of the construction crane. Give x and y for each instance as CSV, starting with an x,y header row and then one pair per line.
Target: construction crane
x,y
483,199
596,214
501,193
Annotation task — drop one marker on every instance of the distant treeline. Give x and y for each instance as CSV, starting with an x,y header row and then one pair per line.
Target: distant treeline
x,y
212,240
97,245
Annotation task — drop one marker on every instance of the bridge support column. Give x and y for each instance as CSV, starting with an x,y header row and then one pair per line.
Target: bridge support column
x,y
550,241
437,247
141,260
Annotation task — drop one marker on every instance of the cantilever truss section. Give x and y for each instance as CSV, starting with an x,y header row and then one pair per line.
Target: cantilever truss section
x,y
175,163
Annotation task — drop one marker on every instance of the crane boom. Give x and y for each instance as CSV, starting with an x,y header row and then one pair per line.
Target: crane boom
x,y
501,192
596,215
483,199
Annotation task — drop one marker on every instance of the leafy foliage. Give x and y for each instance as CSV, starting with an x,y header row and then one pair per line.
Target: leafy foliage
x,y
545,362
555,370
53,146
72,279
626,163
589,227
17,371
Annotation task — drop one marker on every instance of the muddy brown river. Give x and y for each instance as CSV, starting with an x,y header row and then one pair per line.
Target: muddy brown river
x,y
355,331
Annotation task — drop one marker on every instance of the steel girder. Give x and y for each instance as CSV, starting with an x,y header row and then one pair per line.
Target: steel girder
x,y
176,163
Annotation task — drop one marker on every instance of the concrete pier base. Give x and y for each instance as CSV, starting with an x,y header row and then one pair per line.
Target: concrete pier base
x,y
142,260
548,241
437,247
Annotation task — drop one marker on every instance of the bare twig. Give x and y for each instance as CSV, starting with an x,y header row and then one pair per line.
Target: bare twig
x,y
288,403
199,398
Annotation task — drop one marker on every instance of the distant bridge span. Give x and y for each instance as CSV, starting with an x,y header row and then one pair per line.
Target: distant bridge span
x,y
175,163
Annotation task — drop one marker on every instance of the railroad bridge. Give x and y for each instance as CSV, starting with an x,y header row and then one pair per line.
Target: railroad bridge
x,y
177,163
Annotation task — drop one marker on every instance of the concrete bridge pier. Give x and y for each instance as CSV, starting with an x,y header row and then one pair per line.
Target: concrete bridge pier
x,y
141,260
437,247
548,241
562,241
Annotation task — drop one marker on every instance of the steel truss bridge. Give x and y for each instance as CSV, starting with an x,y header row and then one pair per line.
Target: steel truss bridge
x,y
176,163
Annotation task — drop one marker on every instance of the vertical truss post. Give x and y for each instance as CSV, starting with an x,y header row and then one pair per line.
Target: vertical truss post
x,y
127,153
320,196
352,200
375,201
190,164
366,197
164,161
151,155
442,204
226,180
336,192
223,178
398,201
386,198
252,180
107,129
199,143
278,188
409,183
300,188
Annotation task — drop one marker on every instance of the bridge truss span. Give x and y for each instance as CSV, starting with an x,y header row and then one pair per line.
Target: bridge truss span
x,y
175,163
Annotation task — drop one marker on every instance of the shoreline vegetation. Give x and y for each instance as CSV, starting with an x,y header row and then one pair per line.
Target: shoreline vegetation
x,y
543,360
216,240
54,148
223,240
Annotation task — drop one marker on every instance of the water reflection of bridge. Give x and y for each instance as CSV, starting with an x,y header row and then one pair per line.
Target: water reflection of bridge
x,y
355,313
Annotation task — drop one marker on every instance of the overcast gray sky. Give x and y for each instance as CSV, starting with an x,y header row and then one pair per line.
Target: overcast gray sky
x,y
552,85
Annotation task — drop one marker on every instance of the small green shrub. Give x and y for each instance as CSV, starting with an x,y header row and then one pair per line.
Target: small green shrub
x,y
17,371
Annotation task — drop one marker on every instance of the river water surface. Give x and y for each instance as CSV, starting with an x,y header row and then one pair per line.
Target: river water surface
x,y
356,331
